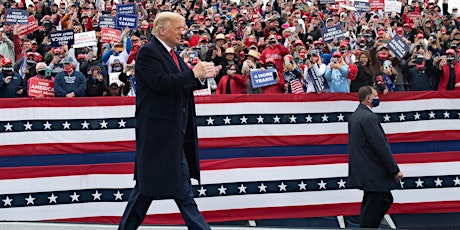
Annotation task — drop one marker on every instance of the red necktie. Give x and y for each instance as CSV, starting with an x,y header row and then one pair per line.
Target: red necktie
x,y
175,58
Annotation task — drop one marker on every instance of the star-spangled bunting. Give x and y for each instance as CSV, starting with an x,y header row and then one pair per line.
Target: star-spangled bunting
x,y
216,190
57,125
243,119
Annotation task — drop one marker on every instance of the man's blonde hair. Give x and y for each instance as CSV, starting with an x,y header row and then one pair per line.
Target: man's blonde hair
x,y
164,18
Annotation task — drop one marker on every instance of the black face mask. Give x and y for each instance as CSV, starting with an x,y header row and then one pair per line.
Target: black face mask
x,y
41,72
7,69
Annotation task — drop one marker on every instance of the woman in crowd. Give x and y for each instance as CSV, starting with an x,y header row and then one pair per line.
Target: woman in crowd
x,y
365,72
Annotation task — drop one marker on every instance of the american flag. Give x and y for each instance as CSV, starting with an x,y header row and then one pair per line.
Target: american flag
x,y
262,157
296,87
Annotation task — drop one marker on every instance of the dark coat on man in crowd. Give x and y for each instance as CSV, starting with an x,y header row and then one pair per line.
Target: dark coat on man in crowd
x,y
371,164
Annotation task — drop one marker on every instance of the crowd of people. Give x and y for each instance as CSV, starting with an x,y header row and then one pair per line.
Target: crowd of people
x,y
285,36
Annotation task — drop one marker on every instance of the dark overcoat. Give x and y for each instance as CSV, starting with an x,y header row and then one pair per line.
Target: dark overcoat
x,y
165,122
371,166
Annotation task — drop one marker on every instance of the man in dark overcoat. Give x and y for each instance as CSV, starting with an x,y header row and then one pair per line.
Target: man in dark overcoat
x,y
371,166
166,134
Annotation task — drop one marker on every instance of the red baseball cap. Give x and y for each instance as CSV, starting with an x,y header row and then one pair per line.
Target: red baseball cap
x,y
6,61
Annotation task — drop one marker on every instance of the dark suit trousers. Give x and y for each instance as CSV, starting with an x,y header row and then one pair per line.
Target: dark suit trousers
x,y
374,207
139,204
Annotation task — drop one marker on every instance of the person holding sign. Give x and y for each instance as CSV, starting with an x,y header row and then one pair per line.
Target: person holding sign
x,y
42,79
166,136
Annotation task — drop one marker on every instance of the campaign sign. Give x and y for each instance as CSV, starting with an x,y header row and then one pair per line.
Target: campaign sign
x,y
41,87
63,37
393,6
398,47
129,9
29,28
110,35
107,22
412,16
15,16
362,7
332,32
85,39
123,21
324,2
172,2
261,78
113,78
377,5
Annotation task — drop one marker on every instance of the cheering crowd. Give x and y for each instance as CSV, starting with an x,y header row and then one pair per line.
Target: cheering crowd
x,y
285,38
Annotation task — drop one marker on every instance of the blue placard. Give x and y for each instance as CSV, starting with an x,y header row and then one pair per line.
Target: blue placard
x,y
133,84
63,37
398,47
126,9
362,7
332,32
123,21
107,22
15,16
261,78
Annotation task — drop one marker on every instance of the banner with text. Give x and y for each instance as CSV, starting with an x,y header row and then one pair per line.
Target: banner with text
x,y
85,39
324,2
41,87
110,35
107,22
393,6
261,78
362,7
15,16
377,5
63,37
123,21
332,32
398,47
412,16
29,28
113,78
129,9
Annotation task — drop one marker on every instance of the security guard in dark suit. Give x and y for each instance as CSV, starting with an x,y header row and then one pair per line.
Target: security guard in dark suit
x,y
371,166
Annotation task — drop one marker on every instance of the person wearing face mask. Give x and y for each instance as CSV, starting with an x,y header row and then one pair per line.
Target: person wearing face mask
x,y
337,74
420,73
69,83
117,52
347,56
42,70
231,83
11,83
93,61
29,68
314,73
274,51
371,166
450,77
